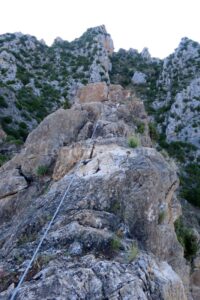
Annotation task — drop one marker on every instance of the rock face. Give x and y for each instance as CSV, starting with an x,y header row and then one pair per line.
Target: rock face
x,y
145,54
91,278
179,80
93,92
66,126
183,121
114,235
11,183
104,38
172,99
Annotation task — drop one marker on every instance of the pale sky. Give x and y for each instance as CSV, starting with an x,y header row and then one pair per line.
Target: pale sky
x,y
156,24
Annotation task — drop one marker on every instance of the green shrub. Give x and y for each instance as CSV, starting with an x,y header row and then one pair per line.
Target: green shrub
x,y
161,217
10,131
42,170
22,125
178,149
140,126
190,183
3,159
132,253
133,142
84,81
3,103
153,132
13,140
23,133
23,75
7,119
187,239
115,244
66,104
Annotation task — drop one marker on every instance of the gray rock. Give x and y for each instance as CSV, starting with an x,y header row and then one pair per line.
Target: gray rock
x,y
93,278
114,187
11,182
139,78
145,54
75,249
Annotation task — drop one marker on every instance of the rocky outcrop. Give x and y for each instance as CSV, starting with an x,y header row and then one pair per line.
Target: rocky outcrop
x,y
139,78
183,120
117,196
114,236
178,93
145,54
104,38
64,127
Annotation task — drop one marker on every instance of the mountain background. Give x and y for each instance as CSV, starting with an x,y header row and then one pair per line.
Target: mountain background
x,y
37,80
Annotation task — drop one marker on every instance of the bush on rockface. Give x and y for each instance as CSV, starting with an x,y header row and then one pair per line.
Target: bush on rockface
x,y
153,132
187,239
42,170
3,103
133,142
132,253
190,184
177,149
140,126
115,244
3,159
23,75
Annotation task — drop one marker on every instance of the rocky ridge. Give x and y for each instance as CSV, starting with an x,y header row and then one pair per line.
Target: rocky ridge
x,y
114,237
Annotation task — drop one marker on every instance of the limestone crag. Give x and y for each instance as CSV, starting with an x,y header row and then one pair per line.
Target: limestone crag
x,y
171,97
179,83
37,79
114,236
183,121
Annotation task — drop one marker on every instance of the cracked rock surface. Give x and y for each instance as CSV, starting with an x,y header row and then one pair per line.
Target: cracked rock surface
x,y
108,240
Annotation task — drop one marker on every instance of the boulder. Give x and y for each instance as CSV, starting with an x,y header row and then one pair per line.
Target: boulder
x,y
139,78
43,143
